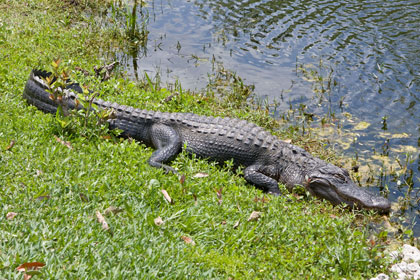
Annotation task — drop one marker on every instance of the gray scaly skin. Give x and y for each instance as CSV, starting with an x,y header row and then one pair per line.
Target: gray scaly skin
x,y
268,160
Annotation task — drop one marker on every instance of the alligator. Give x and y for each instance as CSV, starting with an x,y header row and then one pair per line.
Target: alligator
x,y
268,161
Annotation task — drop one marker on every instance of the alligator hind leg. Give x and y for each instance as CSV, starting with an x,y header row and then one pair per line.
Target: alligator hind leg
x,y
168,144
254,176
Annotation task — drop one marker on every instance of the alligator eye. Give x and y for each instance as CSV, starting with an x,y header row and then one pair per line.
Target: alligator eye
x,y
339,177
346,173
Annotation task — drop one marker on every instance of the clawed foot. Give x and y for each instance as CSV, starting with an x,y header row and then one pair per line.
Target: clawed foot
x,y
169,169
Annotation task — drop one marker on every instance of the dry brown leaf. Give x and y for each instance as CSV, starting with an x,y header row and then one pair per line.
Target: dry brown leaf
x,y
188,240
112,209
10,215
255,215
31,266
12,143
219,196
236,225
62,142
200,175
102,220
167,197
195,199
158,221
182,179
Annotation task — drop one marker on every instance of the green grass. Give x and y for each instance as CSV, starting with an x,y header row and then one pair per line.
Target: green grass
x,y
56,191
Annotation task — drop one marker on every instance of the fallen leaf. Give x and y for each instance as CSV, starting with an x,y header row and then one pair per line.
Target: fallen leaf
x,y
102,221
236,225
29,269
182,179
30,266
219,195
112,209
188,240
10,215
332,216
223,223
288,141
200,175
62,142
167,197
12,143
158,221
255,215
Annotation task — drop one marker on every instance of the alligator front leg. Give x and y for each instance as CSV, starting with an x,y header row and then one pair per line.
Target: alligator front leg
x,y
254,176
168,144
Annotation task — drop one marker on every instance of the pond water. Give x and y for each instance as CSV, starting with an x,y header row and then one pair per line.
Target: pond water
x,y
366,52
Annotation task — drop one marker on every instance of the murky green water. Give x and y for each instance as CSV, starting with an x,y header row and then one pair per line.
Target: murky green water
x,y
367,52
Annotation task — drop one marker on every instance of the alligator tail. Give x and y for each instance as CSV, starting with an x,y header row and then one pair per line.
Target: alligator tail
x,y
36,94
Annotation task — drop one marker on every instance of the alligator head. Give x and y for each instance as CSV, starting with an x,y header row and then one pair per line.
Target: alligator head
x,y
334,184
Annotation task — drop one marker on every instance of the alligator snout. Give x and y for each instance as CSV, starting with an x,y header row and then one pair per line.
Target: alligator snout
x,y
338,188
380,204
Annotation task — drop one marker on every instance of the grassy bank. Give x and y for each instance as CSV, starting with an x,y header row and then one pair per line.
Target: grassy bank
x,y
57,187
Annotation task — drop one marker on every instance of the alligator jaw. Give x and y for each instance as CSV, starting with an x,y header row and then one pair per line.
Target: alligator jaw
x,y
350,194
363,199
334,184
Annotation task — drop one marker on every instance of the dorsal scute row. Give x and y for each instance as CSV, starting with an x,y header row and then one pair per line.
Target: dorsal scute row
x,y
237,129
234,129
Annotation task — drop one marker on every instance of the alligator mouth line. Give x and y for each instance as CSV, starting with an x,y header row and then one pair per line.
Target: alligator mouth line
x,y
350,194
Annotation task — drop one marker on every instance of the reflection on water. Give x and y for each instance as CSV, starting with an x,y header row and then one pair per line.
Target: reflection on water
x,y
368,53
